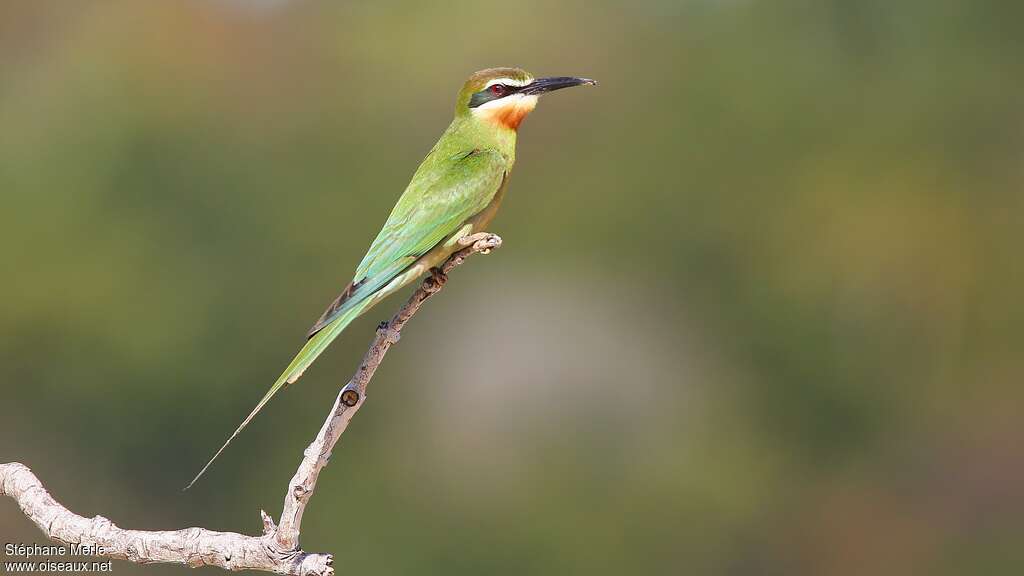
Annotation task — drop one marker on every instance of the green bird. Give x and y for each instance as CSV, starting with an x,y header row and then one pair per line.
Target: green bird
x,y
454,193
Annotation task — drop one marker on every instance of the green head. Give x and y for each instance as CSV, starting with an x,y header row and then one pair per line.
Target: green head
x,y
505,96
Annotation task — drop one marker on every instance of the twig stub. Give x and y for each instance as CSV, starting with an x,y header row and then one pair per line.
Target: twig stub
x,y
350,397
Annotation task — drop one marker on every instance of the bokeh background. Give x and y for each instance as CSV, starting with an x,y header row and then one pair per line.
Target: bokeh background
x,y
758,311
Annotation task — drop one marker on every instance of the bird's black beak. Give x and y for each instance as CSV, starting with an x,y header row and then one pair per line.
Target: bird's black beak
x,y
542,85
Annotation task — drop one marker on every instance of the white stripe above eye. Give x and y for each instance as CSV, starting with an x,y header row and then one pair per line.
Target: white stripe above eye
x,y
507,82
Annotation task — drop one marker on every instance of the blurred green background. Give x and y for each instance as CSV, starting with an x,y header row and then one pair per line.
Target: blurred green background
x,y
758,310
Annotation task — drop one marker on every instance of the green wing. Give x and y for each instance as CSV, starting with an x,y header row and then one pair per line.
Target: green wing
x,y
443,194
437,202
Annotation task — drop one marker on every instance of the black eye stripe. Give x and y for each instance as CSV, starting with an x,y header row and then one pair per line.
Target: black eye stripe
x,y
488,94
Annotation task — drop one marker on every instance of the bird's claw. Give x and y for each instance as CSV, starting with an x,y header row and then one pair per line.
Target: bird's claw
x,y
471,239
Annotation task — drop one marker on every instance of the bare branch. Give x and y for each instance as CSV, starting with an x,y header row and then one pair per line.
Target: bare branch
x,y
193,547
352,396
277,550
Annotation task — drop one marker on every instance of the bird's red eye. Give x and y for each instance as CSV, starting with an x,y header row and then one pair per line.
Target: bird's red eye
x,y
498,90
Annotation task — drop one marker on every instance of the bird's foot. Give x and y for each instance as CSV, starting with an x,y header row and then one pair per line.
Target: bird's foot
x,y
470,239
482,242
